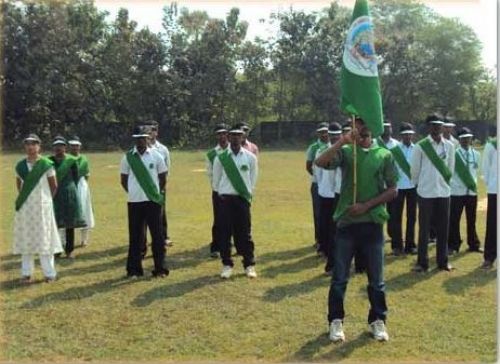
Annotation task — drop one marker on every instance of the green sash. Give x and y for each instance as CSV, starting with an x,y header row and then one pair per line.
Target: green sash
x,y
315,146
400,159
437,162
463,172
63,169
30,178
211,154
381,143
234,175
144,178
83,166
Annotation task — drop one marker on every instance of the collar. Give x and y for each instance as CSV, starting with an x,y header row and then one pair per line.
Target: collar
x,y
135,151
434,142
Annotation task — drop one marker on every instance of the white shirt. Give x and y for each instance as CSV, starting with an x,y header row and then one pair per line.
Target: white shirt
x,y
454,140
390,144
326,179
490,168
429,182
472,159
220,181
163,150
210,166
404,182
155,164
338,180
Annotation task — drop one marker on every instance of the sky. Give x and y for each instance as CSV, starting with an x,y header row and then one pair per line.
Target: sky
x,y
480,15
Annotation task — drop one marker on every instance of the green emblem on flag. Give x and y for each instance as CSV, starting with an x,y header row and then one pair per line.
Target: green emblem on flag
x,y
359,83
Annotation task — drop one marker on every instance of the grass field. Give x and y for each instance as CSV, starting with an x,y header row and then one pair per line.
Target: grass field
x,y
93,313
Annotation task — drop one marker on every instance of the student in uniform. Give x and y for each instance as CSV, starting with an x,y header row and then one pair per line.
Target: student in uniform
x,y
464,194
221,136
432,163
234,178
322,135
247,144
67,204
35,228
327,180
360,225
490,175
143,177
406,193
448,128
75,147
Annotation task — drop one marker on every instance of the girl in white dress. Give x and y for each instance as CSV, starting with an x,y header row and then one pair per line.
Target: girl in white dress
x,y
75,146
35,228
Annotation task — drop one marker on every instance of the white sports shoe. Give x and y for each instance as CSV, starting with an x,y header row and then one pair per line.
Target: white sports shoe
x,y
336,331
227,271
379,331
250,272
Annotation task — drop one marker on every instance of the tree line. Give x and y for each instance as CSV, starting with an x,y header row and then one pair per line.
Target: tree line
x,y
67,68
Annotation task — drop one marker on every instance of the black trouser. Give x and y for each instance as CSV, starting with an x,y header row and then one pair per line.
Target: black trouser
x,y
234,220
439,210
164,226
214,245
410,196
390,210
70,241
490,241
315,204
164,223
139,214
327,227
457,205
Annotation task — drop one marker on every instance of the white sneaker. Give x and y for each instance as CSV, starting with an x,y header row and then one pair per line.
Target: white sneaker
x,y
379,331
336,331
227,271
250,271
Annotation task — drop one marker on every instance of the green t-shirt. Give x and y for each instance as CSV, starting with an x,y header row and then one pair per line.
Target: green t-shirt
x,y
376,170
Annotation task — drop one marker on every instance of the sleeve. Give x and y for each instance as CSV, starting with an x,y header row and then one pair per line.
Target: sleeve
x,y
161,167
167,159
256,149
309,154
217,174
416,164
486,161
209,168
254,172
51,172
124,167
391,175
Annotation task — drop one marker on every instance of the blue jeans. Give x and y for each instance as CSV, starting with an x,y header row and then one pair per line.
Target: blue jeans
x,y
369,238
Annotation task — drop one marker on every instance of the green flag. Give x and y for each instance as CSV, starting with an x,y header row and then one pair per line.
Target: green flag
x,y
360,88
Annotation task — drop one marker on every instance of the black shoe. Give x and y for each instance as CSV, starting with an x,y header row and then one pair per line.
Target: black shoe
x,y
411,251
161,274
214,255
452,252
447,267
397,252
419,269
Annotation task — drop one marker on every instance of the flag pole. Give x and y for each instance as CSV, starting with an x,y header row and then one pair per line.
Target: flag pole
x,y
354,161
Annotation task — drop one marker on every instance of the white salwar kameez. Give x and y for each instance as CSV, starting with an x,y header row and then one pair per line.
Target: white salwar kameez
x,y
35,229
87,211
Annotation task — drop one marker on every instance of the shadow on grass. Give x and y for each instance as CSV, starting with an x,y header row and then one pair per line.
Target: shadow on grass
x,y
339,350
187,258
475,278
295,267
174,290
79,293
408,280
285,254
296,289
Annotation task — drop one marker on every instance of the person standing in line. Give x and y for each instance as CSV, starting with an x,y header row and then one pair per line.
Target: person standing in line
x,y
67,204
75,146
322,135
234,178
464,194
448,128
407,192
360,224
35,228
490,174
221,136
327,179
143,176
432,161
247,144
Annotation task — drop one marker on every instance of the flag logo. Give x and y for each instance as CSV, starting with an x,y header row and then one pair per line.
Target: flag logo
x,y
359,53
